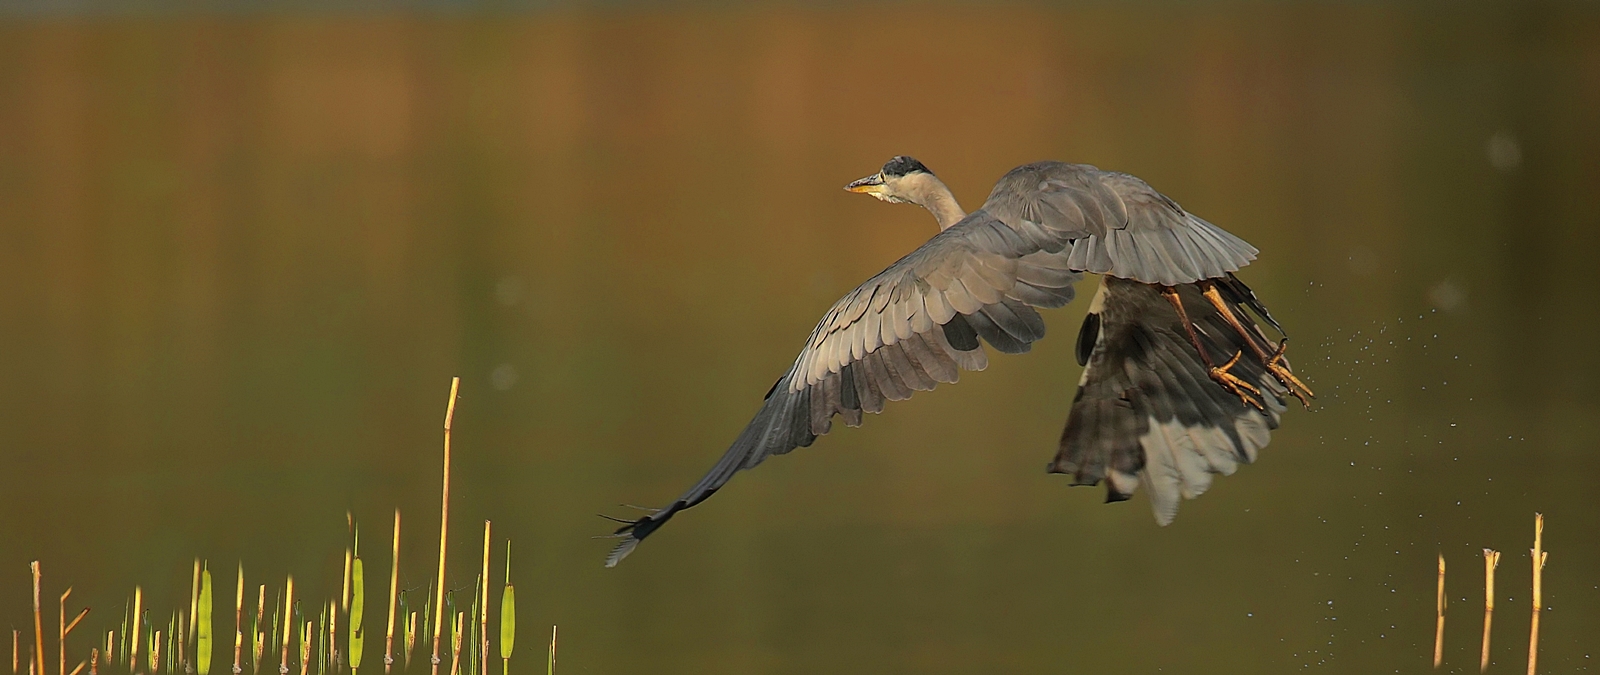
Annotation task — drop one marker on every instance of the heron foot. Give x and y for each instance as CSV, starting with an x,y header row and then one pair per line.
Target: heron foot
x,y
1239,387
1296,388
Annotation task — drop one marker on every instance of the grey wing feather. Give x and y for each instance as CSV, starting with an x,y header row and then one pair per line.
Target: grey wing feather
x,y
916,324
1147,413
1115,224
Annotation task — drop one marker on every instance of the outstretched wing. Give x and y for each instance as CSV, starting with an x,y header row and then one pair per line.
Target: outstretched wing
x,y
1147,413
916,324
1114,224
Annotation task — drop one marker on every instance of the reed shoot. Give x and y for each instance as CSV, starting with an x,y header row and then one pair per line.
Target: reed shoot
x,y
508,617
358,608
201,620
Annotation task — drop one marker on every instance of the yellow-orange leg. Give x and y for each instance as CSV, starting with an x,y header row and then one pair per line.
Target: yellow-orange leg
x,y
1274,361
1220,375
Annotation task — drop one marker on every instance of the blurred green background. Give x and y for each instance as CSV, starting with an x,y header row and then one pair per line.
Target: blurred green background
x,y
243,251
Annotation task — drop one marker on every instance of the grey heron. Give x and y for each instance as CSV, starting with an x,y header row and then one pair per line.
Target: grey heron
x,y
1152,405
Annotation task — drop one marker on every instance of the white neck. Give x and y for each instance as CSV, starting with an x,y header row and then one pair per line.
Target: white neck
x,y
929,192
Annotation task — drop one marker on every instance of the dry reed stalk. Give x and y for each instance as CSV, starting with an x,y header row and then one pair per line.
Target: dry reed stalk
x,y
37,662
288,616
411,637
66,629
16,639
332,652
305,646
394,590
444,521
134,637
1438,634
483,607
94,662
1539,557
155,653
1491,560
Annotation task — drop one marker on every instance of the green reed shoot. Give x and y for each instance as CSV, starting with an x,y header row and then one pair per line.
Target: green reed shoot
x,y
121,655
472,631
550,667
202,623
173,626
306,631
427,615
258,636
319,640
188,636
358,604
408,630
508,617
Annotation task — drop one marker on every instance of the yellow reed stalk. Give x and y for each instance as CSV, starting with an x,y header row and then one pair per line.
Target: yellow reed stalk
x,y
134,637
1438,634
394,591
1539,557
66,629
483,607
444,521
37,662
1491,560
288,617
238,622
16,639
155,652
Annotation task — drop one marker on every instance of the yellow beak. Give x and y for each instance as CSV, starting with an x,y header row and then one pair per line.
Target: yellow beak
x,y
870,185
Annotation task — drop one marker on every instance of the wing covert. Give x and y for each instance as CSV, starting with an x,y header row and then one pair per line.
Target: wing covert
x,y
907,329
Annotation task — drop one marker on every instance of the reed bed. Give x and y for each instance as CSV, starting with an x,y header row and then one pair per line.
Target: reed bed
x,y
1491,561
305,631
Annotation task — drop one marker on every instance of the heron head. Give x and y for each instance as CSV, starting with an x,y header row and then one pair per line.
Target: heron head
x,y
900,181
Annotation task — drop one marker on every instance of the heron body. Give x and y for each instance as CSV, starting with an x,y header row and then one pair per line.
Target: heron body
x,y
1152,407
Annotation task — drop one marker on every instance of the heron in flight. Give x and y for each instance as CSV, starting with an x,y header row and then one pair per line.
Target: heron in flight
x,y
1179,381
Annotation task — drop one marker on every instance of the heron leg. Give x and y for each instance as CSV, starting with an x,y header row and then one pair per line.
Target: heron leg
x,y
1273,362
1220,375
